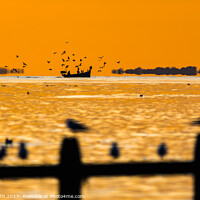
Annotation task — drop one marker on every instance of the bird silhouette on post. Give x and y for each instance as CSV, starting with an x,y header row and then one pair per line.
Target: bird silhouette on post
x,y
114,151
75,126
162,150
23,152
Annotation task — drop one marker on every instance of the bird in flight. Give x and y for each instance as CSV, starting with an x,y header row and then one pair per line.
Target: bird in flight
x,y
68,58
74,60
63,52
17,56
104,63
66,66
63,64
66,42
73,54
6,66
50,69
118,62
101,57
80,64
55,53
85,57
48,61
63,60
99,71
80,60
24,63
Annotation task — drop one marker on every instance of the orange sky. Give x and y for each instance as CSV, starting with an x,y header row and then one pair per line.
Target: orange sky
x,y
139,33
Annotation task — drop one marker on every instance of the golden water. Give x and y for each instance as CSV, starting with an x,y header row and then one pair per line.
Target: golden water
x,y
114,111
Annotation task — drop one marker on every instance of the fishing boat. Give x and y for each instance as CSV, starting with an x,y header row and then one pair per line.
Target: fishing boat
x,y
66,74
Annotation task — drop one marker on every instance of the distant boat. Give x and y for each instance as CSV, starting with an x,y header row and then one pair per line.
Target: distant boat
x,y
78,75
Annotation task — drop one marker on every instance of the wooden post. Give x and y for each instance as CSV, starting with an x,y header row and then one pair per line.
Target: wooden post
x,y
197,170
70,179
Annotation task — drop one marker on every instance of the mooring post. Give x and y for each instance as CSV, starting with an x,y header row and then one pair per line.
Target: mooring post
x,y
70,177
197,170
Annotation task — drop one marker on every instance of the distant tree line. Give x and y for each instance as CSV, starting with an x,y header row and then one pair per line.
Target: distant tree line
x,y
11,71
190,70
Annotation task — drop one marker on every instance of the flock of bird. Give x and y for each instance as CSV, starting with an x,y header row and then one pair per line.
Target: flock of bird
x,y
22,152
66,61
76,126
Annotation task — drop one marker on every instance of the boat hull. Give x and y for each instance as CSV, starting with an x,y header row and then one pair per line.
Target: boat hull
x,y
81,75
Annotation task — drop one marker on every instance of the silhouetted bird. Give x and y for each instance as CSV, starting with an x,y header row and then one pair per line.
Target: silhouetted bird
x,y
75,126
197,122
141,95
114,151
63,64
24,63
99,71
80,64
28,92
3,152
50,69
73,54
162,150
55,53
48,61
8,142
6,66
17,56
85,57
23,152
74,60
63,60
104,63
118,62
68,58
80,60
63,52
66,66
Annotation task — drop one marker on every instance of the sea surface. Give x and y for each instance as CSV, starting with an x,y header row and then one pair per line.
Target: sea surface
x,y
112,109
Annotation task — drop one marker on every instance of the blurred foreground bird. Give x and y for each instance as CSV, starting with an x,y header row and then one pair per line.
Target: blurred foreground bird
x,y
23,152
3,152
75,126
114,151
162,150
197,122
8,142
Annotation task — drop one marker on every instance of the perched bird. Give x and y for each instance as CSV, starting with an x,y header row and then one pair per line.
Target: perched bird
x,y
114,151
28,92
118,62
75,126
48,61
162,150
17,56
23,152
63,52
8,142
3,152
